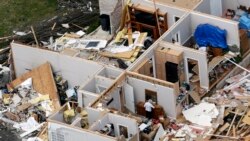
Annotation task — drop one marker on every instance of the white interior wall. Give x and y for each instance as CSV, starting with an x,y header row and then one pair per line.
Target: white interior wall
x,y
230,26
165,96
77,123
104,82
131,124
90,86
110,72
99,124
116,103
212,7
233,4
172,11
85,98
71,68
201,57
183,28
204,7
94,114
74,134
216,7
57,116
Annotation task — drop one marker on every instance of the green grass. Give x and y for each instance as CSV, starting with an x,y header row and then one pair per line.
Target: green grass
x,y
93,26
18,14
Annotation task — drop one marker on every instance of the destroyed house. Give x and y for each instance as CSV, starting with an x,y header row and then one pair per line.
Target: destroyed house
x,y
174,53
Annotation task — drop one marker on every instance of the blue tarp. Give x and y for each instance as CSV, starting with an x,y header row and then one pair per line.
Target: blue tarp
x,y
209,35
245,23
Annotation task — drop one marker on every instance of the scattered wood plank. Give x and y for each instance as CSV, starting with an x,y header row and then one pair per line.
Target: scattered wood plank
x,y
34,34
43,82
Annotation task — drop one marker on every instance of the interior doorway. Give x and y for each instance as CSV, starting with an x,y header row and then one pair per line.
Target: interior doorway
x,y
151,95
193,71
123,131
171,72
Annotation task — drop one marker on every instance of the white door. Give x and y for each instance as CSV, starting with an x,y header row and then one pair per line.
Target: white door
x,y
216,7
129,97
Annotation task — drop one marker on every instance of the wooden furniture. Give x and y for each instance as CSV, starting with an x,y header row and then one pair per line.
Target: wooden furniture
x,y
157,111
143,24
140,109
244,44
165,55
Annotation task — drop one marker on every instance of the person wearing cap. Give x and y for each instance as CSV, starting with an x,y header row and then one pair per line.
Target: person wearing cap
x,y
149,109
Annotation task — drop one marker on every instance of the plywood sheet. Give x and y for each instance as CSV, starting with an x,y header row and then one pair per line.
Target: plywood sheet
x,y
43,82
123,55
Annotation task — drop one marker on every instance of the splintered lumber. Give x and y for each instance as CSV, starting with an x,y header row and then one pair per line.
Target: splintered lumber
x,y
228,131
234,131
53,27
34,34
246,119
246,132
130,39
223,128
157,18
241,117
42,81
195,96
125,14
221,136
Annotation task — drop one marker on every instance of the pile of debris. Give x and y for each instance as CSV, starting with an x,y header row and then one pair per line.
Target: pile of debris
x,y
27,101
25,108
223,115
82,5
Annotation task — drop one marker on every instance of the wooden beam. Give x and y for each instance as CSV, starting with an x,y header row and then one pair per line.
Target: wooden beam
x,y
157,18
53,27
228,131
34,34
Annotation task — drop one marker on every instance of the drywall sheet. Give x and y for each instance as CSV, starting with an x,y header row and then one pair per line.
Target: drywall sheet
x,y
42,81
230,26
182,28
58,132
199,56
165,96
172,11
74,70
